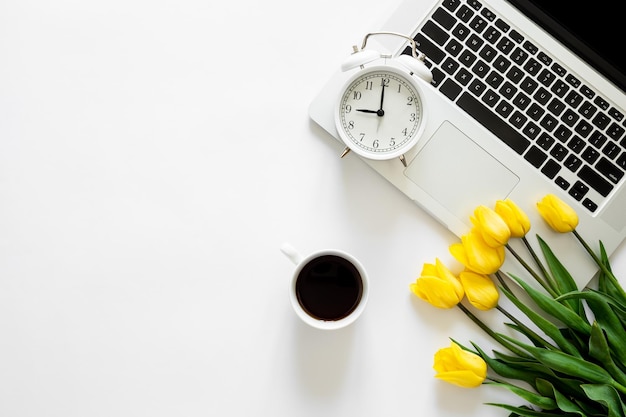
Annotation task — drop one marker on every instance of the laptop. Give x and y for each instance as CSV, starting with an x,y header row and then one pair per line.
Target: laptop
x,y
527,98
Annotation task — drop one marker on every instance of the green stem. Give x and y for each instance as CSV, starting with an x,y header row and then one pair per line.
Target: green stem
x,y
502,281
597,260
491,333
547,287
527,331
544,271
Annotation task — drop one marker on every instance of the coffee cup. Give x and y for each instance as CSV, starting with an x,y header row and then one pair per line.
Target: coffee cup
x,y
329,288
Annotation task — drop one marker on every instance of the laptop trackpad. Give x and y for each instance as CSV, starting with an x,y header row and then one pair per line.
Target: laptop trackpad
x,y
458,173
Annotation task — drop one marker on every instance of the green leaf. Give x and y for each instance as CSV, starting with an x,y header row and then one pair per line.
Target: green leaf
x,y
599,349
607,319
545,325
555,308
545,403
567,364
506,370
607,396
564,281
563,403
525,411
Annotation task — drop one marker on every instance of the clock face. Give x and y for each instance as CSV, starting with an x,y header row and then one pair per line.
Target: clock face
x,y
380,114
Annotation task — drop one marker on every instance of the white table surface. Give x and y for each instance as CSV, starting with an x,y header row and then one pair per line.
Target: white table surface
x,y
154,155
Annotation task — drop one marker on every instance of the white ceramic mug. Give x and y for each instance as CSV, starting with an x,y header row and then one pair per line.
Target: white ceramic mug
x,y
329,288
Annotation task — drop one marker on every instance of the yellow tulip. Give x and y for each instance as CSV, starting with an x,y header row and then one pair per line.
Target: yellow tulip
x,y
476,255
557,214
491,226
514,217
438,286
460,367
480,290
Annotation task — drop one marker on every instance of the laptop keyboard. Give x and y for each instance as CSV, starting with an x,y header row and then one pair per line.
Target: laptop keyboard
x,y
545,114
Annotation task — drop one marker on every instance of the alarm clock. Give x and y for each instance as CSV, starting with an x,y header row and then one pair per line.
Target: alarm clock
x,y
380,113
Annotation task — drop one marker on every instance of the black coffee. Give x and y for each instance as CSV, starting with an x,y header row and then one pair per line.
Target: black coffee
x,y
329,287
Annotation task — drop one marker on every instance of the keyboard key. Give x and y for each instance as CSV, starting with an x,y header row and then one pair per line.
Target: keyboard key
x,y
501,64
450,89
502,25
530,47
445,19
611,150
535,156
549,122
542,96
505,45
434,32
450,66
467,58
463,76
597,139
545,141
491,35
493,123
477,87
569,117
578,190
609,170
590,155
533,66
478,24
427,47
474,42
451,4
488,53
615,131
494,79
516,36
476,5
488,14
480,69
602,103
543,58
576,144
453,47
596,181
562,182
601,121
590,205
551,168
587,110
616,114
573,81
461,32
559,88
490,98
559,152
546,77
464,13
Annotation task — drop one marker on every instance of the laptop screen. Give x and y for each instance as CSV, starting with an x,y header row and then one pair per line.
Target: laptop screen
x,y
595,33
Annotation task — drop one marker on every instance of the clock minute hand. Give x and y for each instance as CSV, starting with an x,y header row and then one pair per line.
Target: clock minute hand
x,y
382,98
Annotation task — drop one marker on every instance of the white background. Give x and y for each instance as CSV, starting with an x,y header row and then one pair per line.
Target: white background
x,y
154,155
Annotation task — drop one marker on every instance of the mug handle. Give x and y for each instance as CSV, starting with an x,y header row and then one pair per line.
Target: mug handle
x,y
291,253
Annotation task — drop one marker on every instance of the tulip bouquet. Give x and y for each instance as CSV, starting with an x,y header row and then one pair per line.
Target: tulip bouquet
x,y
567,355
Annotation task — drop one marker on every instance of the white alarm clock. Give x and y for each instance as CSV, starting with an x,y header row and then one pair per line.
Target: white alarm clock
x,y
380,113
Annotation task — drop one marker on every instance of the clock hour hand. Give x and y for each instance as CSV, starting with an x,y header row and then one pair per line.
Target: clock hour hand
x,y
379,112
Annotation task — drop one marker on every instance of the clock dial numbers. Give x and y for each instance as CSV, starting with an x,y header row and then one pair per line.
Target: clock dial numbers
x,y
380,112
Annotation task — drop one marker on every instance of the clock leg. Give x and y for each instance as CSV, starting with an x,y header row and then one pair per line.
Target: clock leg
x,y
403,160
345,152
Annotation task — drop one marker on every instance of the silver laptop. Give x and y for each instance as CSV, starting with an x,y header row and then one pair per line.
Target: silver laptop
x,y
527,98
